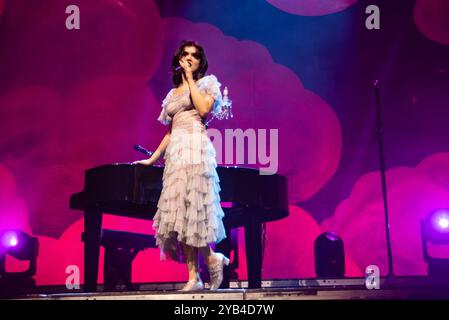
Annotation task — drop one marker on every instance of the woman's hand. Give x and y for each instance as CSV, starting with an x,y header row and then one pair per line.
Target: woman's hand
x,y
188,74
151,160
146,162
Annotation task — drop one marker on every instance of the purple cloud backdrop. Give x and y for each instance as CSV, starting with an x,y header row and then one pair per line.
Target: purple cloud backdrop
x,y
431,18
99,120
68,110
412,194
92,108
272,97
114,38
71,100
13,209
312,7
2,7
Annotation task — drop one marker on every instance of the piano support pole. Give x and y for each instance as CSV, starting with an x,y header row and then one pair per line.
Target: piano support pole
x,y
92,239
253,243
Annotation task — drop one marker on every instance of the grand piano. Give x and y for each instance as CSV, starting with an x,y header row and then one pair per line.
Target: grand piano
x,y
133,191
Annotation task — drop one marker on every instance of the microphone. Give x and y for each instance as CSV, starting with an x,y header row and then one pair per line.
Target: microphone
x,y
139,148
180,68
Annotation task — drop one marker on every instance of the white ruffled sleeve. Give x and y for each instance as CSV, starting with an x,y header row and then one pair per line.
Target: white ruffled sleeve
x,y
164,118
210,85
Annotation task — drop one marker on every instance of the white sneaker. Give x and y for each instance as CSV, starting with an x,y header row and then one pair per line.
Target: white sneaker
x,y
193,285
216,271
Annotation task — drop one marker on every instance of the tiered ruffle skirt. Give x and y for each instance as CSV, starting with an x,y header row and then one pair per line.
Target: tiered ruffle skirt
x,y
189,208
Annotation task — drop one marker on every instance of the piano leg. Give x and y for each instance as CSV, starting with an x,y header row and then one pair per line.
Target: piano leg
x,y
253,243
92,239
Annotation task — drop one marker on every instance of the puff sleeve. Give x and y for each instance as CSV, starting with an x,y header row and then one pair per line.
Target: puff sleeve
x,y
210,85
164,118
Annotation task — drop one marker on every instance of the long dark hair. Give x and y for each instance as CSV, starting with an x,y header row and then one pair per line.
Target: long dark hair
x,y
202,68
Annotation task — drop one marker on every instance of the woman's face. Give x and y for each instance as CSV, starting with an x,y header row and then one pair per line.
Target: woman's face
x,y
191,56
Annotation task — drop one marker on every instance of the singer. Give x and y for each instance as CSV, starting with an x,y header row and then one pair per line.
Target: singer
x,y
189,215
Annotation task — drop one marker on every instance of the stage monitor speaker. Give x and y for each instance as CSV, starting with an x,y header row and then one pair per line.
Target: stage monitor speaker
x,y
329,256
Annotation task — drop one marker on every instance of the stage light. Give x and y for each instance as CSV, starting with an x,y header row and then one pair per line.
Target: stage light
x,y
440,219
444,223
17,244
329,256
13,242
9,239
435,229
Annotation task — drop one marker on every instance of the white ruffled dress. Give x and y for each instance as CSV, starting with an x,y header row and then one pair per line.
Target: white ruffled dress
x,y
189,208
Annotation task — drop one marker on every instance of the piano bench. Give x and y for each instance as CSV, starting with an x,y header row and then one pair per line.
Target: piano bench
x,y
120,250
127,239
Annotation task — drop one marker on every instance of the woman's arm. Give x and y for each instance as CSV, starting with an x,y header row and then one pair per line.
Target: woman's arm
x,y
162,146
159,151
202,102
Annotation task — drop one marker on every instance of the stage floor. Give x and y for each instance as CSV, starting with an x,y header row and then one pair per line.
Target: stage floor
x,y
413,288
261,294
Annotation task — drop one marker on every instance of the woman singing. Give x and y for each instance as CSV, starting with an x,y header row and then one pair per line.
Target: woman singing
x,y
189,211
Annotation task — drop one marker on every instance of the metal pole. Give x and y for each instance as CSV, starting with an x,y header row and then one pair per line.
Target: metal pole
x,y
380,142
